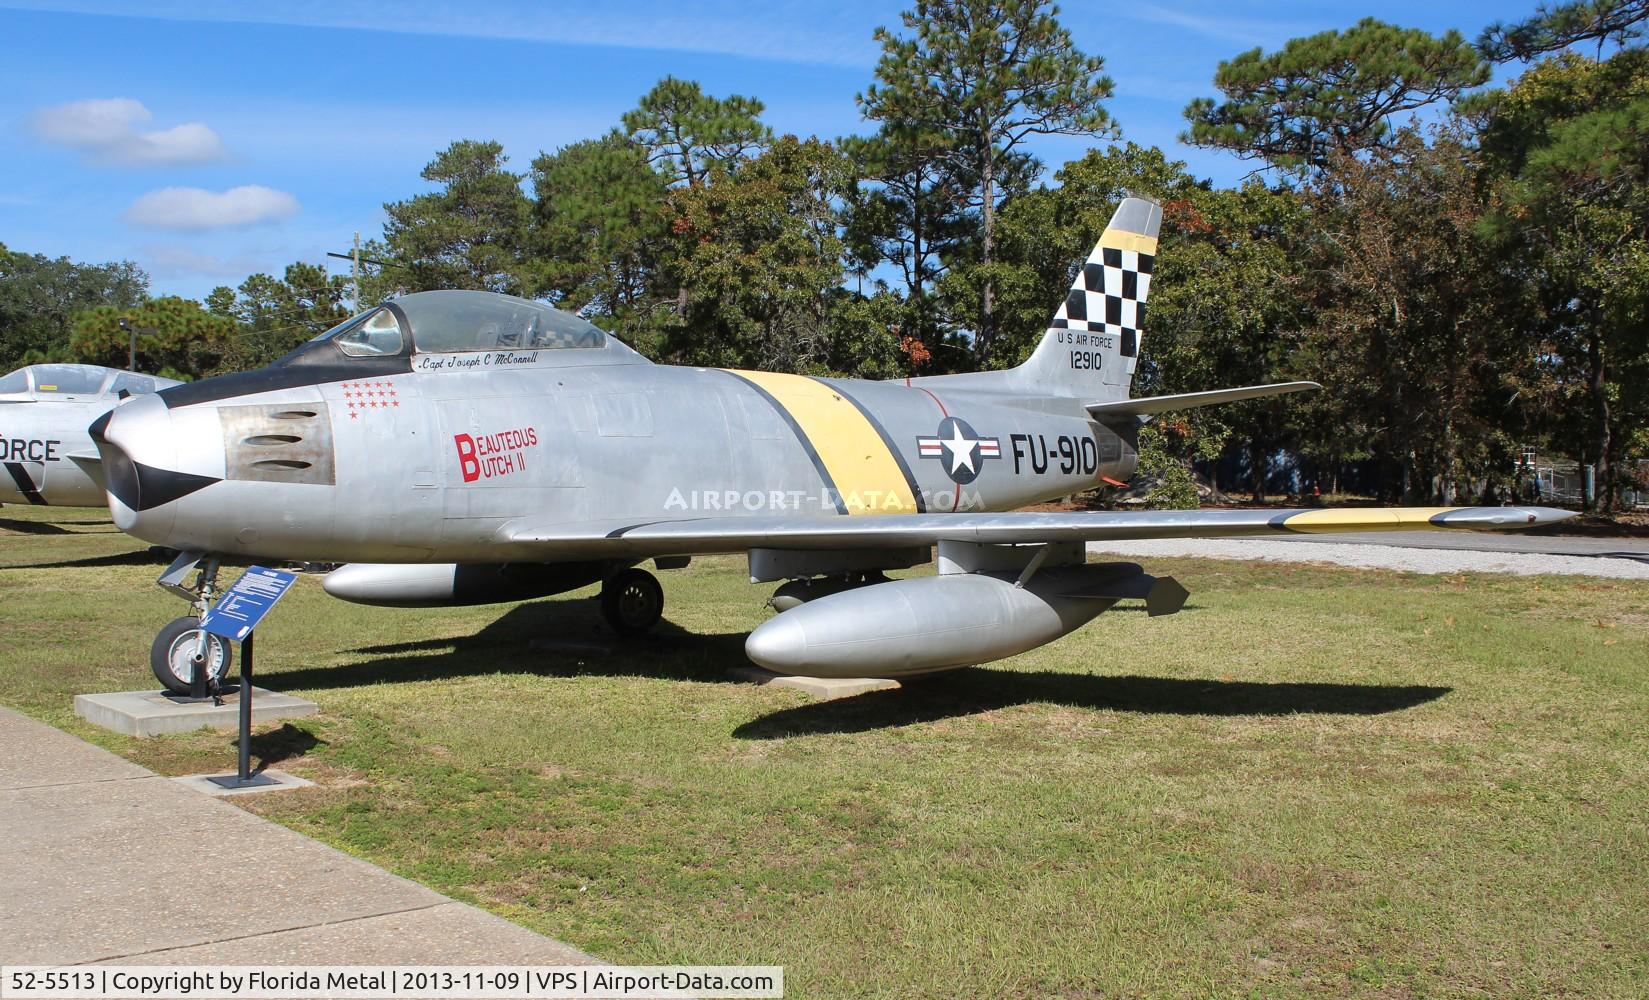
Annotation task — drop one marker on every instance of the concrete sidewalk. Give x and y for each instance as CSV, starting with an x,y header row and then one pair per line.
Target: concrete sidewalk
x,y
88,843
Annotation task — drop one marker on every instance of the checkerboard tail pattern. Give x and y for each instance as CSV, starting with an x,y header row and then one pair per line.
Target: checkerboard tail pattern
x,y
1092,343
1109,293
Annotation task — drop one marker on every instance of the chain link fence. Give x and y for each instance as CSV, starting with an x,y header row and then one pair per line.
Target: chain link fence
x,y
1565,484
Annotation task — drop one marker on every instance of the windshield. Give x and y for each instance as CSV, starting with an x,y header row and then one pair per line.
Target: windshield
x,y
76,380
455,320
450,321
376,334
133,383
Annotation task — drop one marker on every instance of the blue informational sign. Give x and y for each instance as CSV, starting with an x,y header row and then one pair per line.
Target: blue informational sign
x,y
242,606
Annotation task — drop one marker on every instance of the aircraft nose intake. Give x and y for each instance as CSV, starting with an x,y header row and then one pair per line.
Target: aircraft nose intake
x,y
138,446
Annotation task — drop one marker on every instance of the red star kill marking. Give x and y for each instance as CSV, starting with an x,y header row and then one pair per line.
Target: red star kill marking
x,y
373,394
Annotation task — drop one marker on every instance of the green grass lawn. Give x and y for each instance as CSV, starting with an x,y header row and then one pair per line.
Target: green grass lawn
x,y
1312,781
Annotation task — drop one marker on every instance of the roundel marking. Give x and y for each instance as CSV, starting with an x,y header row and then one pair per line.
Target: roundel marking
x,y
960,450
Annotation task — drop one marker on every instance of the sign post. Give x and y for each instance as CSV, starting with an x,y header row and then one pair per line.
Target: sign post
x,y
234,617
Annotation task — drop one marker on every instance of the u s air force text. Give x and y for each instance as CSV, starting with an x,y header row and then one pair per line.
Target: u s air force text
x,y
29,449
380,982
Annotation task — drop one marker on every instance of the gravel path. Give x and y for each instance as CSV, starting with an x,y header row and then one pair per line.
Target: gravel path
x,y
1410,560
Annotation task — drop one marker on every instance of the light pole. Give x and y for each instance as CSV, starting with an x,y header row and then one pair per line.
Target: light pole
x,y
131,352
132,330
355,261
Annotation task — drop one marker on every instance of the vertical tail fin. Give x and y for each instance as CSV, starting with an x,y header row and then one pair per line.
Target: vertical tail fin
x,y
1092,344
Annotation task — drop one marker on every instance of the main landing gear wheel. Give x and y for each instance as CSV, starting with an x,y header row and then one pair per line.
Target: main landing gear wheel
x,y
632,601
172,657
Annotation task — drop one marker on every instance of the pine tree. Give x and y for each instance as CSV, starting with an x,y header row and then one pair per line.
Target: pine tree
x,y
472,233
990,74
1331,94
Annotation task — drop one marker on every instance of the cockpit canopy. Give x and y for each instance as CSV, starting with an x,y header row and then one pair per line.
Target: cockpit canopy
x,y
76,382
453,320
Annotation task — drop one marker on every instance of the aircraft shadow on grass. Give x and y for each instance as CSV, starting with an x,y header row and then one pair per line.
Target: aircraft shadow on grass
x,y
55,527
974,690
517,643
32,527
556,638
138,557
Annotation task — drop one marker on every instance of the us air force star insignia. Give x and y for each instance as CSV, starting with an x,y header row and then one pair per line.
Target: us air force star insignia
x,y
960,449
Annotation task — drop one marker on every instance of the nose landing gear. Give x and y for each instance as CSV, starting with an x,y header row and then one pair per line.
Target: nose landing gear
x,y
181,648
172,655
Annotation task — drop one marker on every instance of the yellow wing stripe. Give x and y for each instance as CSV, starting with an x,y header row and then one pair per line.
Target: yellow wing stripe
x,y
1392,519
866,475
1118,239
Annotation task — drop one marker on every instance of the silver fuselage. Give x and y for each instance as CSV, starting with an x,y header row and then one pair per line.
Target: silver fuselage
x,y
43,430
428,464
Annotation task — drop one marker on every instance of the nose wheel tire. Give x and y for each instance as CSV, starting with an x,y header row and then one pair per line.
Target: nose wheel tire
x,y
172,656
632,601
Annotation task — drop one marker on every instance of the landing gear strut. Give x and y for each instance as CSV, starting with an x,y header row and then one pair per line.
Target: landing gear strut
x,y
632,601
181,648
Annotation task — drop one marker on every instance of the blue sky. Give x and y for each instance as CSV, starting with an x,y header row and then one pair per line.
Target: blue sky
x,y
207,141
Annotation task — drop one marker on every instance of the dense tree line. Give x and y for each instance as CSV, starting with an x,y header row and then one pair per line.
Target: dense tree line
x,y
1465,268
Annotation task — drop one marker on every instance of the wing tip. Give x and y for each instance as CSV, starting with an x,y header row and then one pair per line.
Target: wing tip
x,y
1492,518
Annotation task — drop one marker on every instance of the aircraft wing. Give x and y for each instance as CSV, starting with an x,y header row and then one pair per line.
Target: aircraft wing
x,y
1148,405
700,535
91,463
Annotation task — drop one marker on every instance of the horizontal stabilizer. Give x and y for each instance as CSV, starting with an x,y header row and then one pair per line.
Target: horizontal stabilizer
x,y
1190,400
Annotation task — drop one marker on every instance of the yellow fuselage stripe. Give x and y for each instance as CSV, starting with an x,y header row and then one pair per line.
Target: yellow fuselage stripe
x,y
1117,239
865,473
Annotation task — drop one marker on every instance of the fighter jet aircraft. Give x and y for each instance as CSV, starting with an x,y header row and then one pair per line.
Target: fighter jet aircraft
x,y
465,447
44,413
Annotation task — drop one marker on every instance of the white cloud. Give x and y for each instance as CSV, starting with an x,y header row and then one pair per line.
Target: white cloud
x,y
113,130
197,208
191,142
